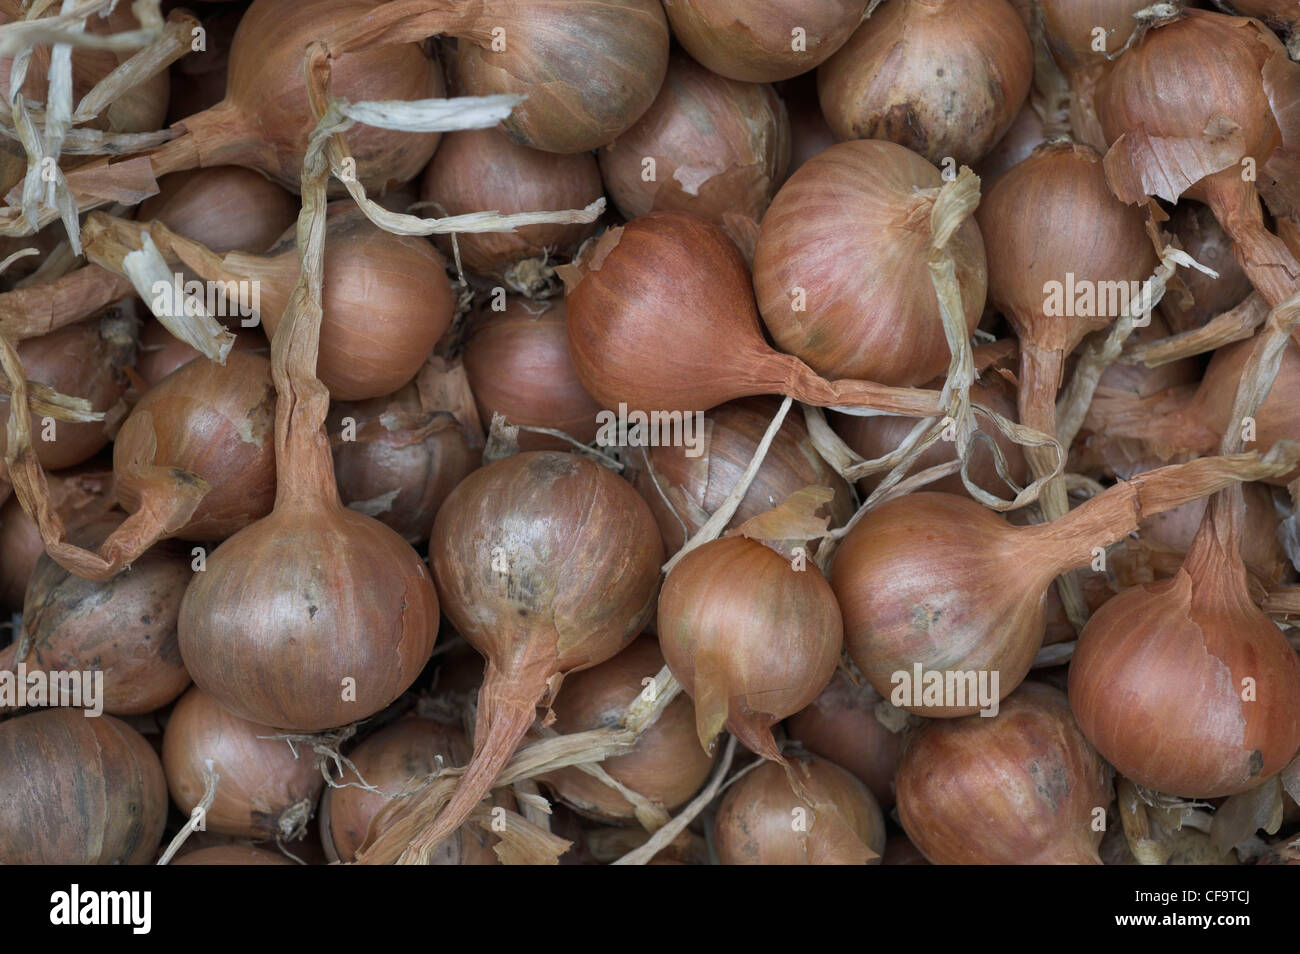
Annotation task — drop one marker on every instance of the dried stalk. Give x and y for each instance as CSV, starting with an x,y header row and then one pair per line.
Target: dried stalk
x,y
1236,324
210,780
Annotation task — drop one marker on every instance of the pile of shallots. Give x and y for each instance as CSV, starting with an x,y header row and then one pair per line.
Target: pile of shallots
x,y
650,431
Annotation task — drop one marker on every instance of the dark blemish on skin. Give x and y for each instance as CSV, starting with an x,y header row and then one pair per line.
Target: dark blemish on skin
x,y
311,610
146,619
1256,763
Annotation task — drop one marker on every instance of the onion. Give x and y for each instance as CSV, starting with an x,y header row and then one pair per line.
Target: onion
x,y
78,791
1280,15
853,204
139,109
408,450
314,616
1184,107
757,821
751,639
1069,27
265,118
226,208
878,435
546,563
841,725
1023,787
1177,423
398,758
264,790
710,146
1052,222
86,359
756,40
212,421
1185,686
937,581
481,169
231,855
695,487
944,78
160,352
80,497
124,627
519,366
588,69
386,304
665,766
662,317
1204,239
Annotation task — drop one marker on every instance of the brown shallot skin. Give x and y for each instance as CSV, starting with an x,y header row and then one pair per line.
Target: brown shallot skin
x,y
547,563
227,208
697,486
945,78
406,447
1021,787
719,148
588,68
386,304
751,40
80,497
214,421
755,824
399,758
482,169
1184,685
87,360
751,639
934,602
666,765
852,204
264,792
160,352
124,627
265,119
78,791
309,597
841,725
519,366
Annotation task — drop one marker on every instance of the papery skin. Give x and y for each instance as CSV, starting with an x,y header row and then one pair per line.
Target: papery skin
x,y
1158,679
1020,788
852,205
262,785
751,40
720,147
78,791
697,486
750,638
589,69
944,78
754,821
482,169
305,598
666,765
